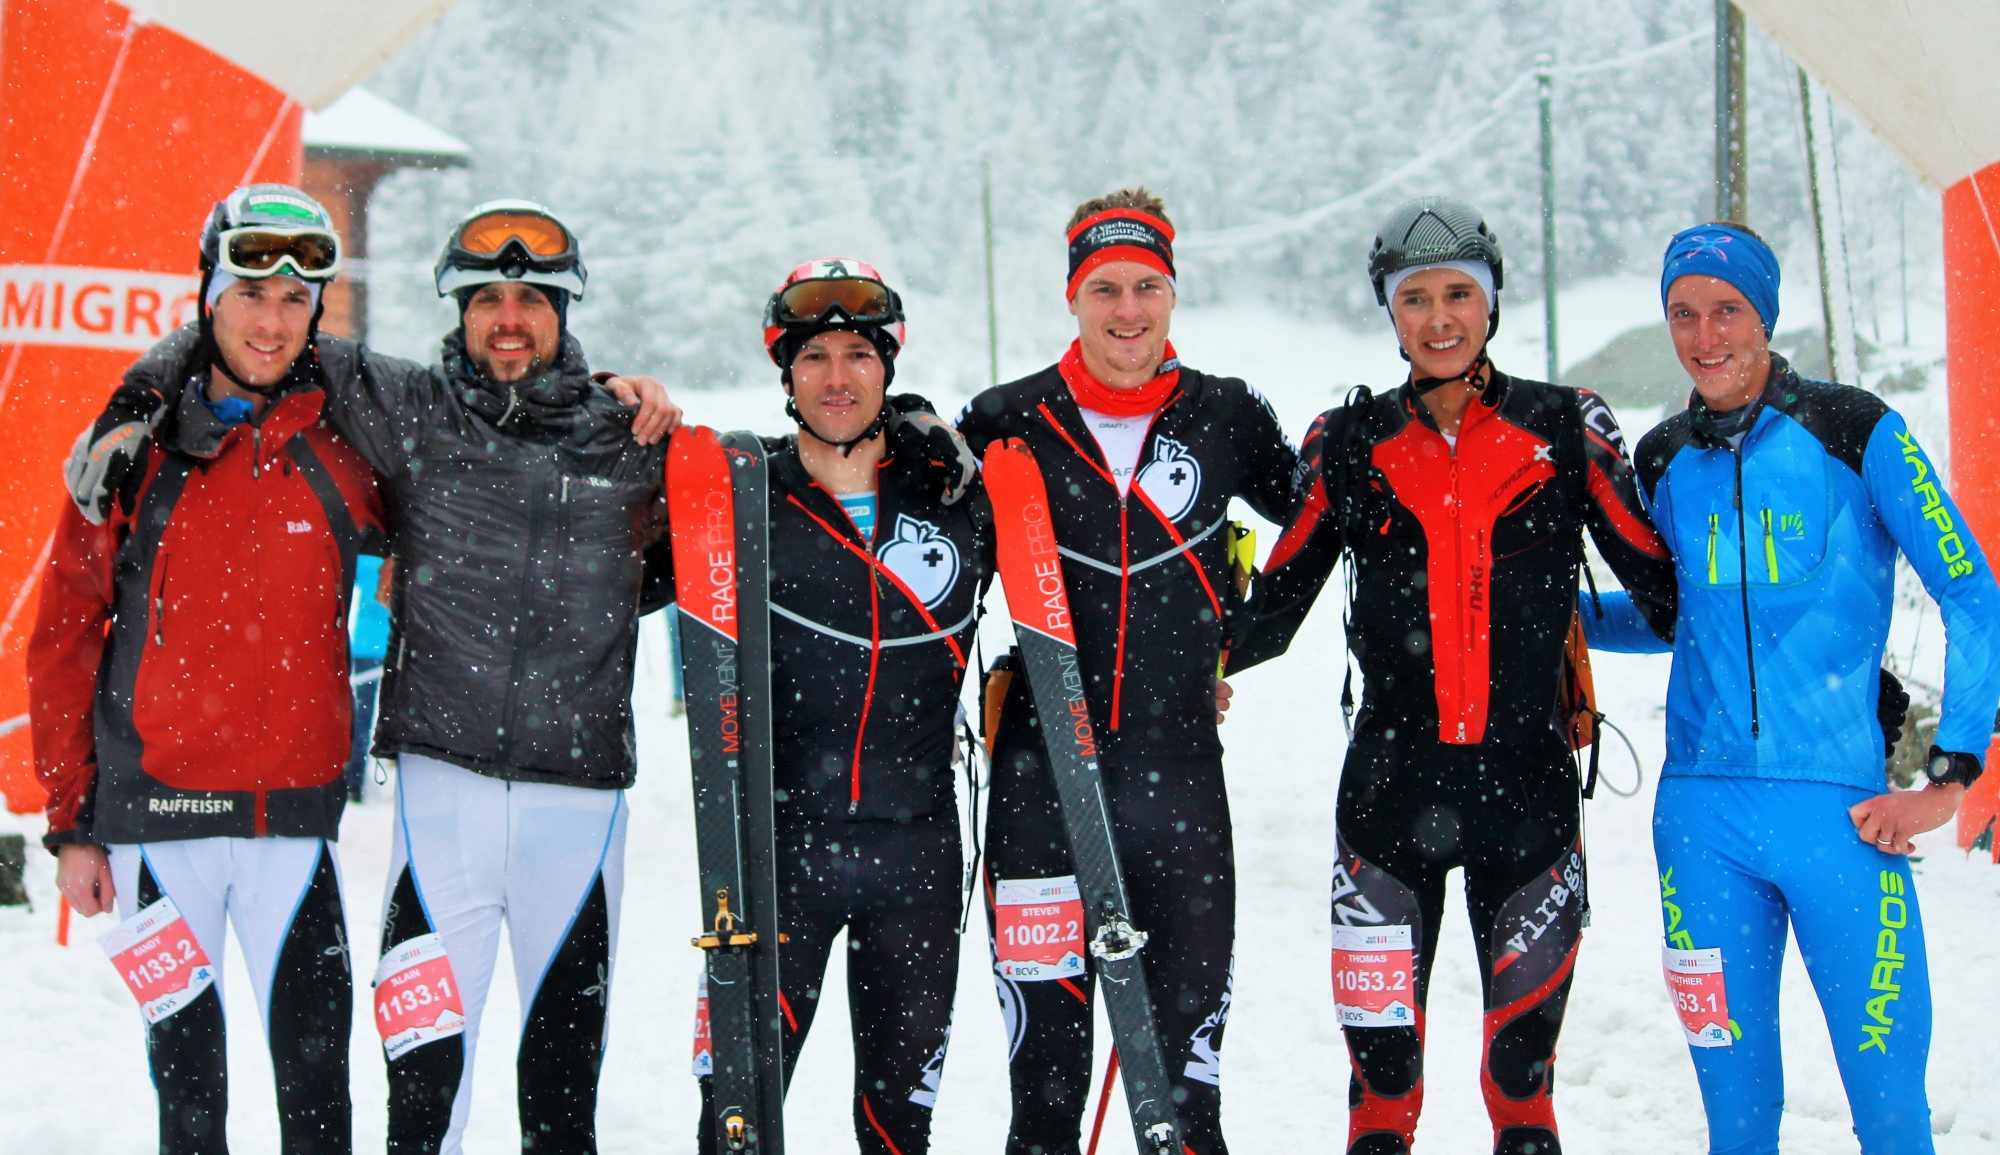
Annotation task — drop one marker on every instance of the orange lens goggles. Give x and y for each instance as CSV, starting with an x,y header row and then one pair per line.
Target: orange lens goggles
x,y
540,235
860,300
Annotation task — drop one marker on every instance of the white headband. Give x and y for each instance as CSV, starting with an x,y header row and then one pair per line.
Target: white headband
x,y
1477,270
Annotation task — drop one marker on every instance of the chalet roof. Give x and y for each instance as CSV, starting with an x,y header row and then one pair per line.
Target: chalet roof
x,y
363,126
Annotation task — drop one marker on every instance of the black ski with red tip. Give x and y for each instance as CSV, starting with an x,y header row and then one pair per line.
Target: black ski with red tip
x,y
1031,573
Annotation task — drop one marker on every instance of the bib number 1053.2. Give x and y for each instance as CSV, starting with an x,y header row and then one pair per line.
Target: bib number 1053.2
x,y
1373,981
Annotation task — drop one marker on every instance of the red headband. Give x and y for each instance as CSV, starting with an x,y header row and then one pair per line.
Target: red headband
x,y
1119,235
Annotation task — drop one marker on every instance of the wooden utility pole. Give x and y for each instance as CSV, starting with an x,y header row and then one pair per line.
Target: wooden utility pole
x,y
1545,80
992,307
1732,167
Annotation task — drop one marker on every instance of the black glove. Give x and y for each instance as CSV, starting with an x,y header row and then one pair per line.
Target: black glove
x,y
103,464
950,457
1892,708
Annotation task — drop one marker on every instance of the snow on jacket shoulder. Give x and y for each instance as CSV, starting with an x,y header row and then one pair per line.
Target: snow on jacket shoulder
x,y
1801,527
188,671
520,516
1148,576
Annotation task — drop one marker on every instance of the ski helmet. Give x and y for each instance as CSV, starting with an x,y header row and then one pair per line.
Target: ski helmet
x,y
1432,231
511,240
265,230
268,230
834,294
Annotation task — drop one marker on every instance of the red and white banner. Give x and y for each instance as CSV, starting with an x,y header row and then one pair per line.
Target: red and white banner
x,y
92,308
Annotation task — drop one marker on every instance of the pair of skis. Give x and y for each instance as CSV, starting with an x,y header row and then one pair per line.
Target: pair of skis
x,y
719,505
718,501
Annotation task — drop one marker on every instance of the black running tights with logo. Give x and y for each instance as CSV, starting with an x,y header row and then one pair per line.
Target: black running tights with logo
x,y
1171,820
308,1023
895,887
1411,809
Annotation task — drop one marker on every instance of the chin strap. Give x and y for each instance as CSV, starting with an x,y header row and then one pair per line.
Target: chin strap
x,y
1423,385
847,447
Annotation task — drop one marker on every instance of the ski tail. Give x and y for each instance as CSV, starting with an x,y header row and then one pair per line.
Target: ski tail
x,y
1031,573
738,898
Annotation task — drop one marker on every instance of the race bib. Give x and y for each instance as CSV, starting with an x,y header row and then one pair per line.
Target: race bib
x,y
704,1047
1694,979
1038,928
416,996
157,955
1374,983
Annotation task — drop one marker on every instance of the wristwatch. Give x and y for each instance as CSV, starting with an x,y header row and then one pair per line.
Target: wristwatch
x,y
1944,768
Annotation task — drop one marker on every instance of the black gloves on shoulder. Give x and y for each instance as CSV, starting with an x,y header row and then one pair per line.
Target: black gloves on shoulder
x,y
103,465
912,418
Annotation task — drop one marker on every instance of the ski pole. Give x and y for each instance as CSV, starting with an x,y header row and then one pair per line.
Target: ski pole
x,y
62,927
1103,1100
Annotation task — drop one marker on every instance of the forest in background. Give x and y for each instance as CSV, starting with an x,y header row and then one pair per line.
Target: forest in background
x,y
700,151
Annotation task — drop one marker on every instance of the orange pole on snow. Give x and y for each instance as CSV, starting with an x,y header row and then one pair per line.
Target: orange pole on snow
x,y
119,135
1972,368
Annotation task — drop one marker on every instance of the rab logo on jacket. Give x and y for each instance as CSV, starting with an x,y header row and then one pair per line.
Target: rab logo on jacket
x,y
1172,479
925,559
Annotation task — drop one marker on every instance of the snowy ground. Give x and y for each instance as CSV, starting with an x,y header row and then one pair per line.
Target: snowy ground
x,y
73,1077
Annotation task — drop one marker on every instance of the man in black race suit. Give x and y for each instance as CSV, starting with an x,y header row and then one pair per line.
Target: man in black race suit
x,y
1141,456
880,551
1461,498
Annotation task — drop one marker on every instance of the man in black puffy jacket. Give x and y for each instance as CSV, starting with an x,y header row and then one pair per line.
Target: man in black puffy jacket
x,y
523,502
880,551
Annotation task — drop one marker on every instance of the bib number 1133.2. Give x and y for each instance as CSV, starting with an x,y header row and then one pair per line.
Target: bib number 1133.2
x,y
160,960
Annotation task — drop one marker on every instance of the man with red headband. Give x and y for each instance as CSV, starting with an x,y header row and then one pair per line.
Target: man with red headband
x,y
1141,456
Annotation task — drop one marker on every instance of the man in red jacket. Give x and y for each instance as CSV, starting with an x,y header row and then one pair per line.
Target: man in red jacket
x,y
188,682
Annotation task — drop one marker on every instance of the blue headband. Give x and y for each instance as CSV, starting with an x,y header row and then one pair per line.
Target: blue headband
x,y
1730,254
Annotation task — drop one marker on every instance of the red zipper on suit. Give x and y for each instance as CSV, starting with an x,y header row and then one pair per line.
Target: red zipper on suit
x,y
876,572
1125,541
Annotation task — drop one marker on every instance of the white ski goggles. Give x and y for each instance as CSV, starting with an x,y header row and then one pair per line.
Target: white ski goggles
x,y
257,251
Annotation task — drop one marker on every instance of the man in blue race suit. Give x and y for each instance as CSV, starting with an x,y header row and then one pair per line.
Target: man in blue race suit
x,y
1784,502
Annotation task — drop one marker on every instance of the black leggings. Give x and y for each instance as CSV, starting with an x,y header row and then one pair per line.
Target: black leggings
x,y
1410,810
895,888
1171,819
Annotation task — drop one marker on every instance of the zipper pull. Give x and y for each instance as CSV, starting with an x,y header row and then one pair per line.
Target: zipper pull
x,y
565,489
256,452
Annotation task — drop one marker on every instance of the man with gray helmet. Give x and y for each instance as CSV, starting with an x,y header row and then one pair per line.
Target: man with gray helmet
x,y
523,497
1461,490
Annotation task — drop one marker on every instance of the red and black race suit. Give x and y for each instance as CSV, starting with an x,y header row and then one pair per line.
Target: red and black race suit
x,y
1148,586
188,672
869,641
1466,559
1465,562
1147,574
